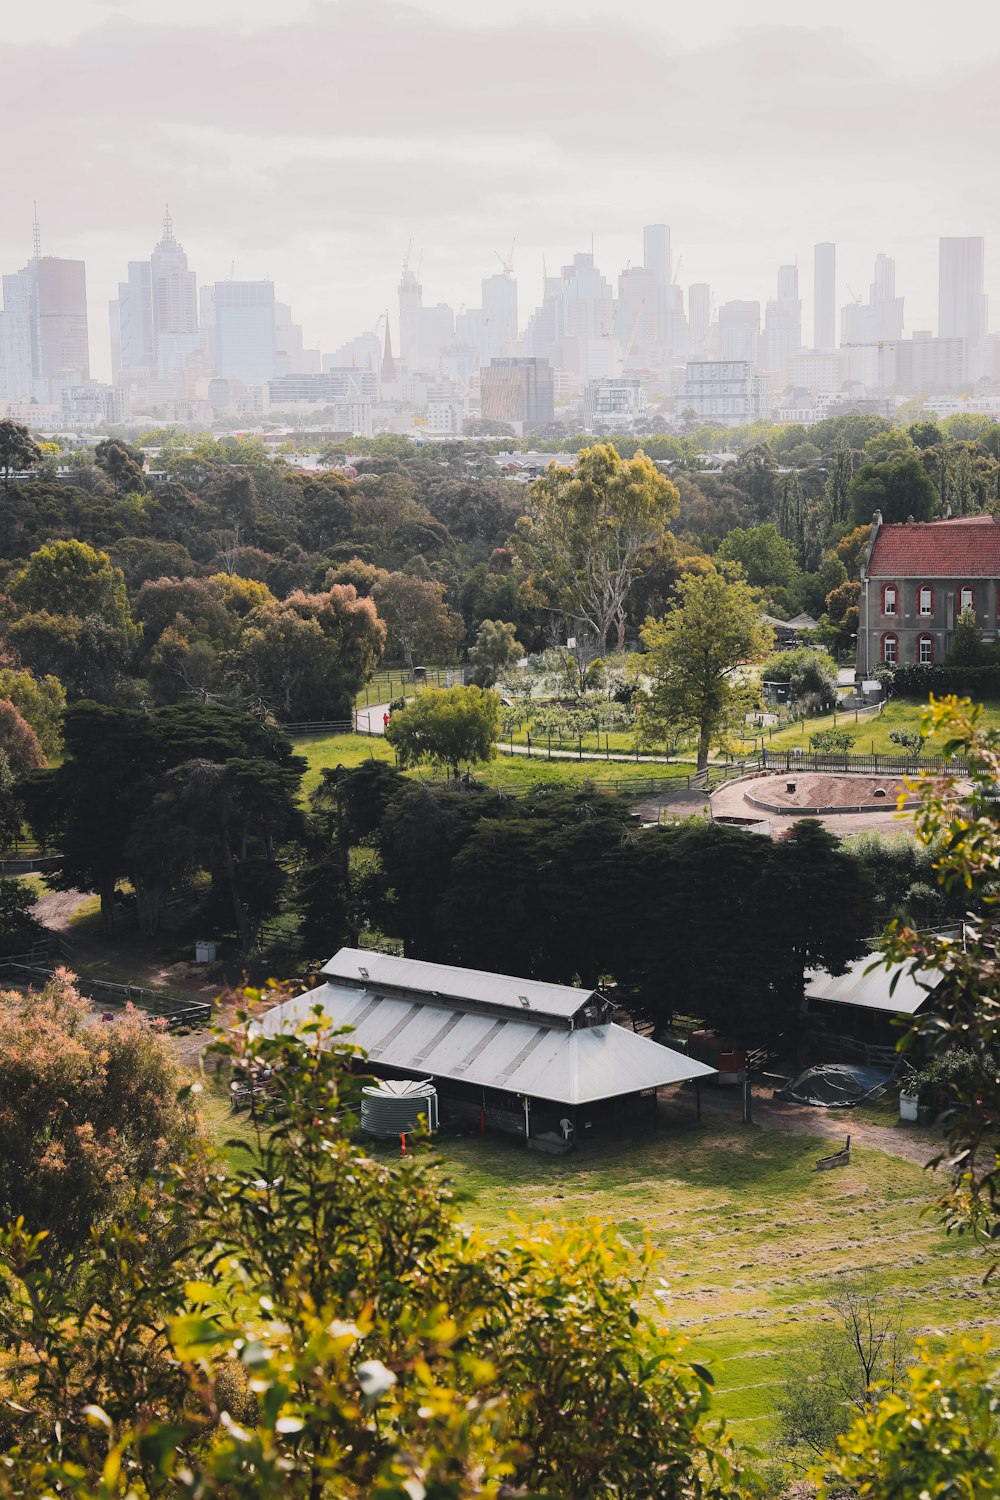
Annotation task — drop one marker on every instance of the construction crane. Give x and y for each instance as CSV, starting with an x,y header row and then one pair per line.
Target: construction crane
x,y
508,263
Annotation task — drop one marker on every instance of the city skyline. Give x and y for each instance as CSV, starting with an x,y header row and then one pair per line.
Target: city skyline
x,y
324,188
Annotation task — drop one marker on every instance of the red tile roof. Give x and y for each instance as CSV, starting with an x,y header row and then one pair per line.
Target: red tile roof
x,y
967,547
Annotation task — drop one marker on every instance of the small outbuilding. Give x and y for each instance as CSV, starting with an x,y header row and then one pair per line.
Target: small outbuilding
x,y
861,1007
542,1061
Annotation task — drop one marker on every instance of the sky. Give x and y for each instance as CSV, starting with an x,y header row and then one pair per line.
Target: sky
x,y
315,140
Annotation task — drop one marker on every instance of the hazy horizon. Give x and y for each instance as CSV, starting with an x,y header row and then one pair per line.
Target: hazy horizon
x,y
314,148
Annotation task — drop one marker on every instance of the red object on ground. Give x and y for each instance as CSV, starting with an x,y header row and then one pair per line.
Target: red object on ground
x,y
403,1140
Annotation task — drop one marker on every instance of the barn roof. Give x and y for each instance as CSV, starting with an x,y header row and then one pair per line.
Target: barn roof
x,y
875,990
360,967
965,547
519,1055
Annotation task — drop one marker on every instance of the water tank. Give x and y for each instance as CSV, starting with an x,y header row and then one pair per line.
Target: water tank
x,y
399,1105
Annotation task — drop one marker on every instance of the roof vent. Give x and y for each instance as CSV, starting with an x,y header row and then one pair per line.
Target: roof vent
x,y
525,1001
362,971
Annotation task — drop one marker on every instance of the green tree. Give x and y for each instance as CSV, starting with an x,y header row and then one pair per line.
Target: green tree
x,y
371,1347
967,649
71,578
19,930
898,487
811,675
419,626
39,701
18,450
837,490
694,654
446,726
496,646
123,466
592,528
767,559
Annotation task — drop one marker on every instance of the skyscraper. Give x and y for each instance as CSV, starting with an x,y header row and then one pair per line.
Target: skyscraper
x,y
131,316
45,344
961,300
825,296
499,315
656,251
244,331
411,296
783,322
699,316
739,329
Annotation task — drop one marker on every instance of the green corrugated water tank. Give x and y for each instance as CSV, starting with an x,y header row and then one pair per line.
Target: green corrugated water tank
x,y
399,1105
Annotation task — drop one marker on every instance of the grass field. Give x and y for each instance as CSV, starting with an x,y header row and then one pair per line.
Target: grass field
x,y
871,733
751,1234
511,773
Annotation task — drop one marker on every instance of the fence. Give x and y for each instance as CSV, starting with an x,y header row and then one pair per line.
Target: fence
x,y
36,967
876,764
392,682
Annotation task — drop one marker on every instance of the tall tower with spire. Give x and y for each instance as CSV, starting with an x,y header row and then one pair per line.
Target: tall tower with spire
x,y
174,305
388,363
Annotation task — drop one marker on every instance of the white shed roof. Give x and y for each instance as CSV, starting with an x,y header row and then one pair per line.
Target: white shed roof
x,y
519,1055
450,982
872,991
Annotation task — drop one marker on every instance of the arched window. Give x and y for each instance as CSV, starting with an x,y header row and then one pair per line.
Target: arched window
x,y
967,598
925,601
890,650
889,597
925,650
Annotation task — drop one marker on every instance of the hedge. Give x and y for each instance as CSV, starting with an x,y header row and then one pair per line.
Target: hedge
x,y
968,682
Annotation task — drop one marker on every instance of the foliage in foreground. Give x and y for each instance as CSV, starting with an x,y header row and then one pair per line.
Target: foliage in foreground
x,y
328,1327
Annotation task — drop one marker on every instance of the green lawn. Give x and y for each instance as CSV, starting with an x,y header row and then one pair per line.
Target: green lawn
x,y
751,1235
509,772
871,733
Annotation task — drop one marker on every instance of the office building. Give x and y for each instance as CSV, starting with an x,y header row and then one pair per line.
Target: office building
x,y
825,297
244,331
45,343
867,329
783,322
656,251
729,392
517,391
821,372
926,365
436,328
638,314
499,315
739,331
962,303
411,295
699,317
585,313
131,318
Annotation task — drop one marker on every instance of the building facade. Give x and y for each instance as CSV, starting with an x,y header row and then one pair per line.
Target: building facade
x,y
916,580
519,392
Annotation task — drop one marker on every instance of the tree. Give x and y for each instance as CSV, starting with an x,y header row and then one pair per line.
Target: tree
x,y
935,1434
898,487
831,1383
418,623
592,527
39,701
693,656
18,741
88,1113
306,657
19,930
372,1348
71,578
446,726
767,559
123,466
496,646
837,490
967,648
18,450
811,675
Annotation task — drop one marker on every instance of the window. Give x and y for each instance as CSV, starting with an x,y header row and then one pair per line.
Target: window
x,y
925,650
926,601
889,599
890,650
968,600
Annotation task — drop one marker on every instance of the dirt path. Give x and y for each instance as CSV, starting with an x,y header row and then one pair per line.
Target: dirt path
x,y
55,908
915,1144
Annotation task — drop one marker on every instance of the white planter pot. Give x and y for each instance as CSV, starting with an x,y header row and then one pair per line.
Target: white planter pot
x,y
908,1106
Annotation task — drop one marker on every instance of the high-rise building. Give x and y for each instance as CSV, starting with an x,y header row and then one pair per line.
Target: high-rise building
x,y
174,287
499,315
783,322
825,297
411,295
436,329
962,304
638,314
244,331
867,329
45,345
585,318
518,391
699,316
739,330
131,315
656,251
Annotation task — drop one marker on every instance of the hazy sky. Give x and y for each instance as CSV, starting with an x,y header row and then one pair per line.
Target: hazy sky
x,y
311,140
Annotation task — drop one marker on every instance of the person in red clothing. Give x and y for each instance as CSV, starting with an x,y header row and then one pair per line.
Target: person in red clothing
x,y
385,720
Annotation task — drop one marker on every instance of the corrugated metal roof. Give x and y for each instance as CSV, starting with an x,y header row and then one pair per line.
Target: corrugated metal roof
x,y
429,979
872,991
520,1056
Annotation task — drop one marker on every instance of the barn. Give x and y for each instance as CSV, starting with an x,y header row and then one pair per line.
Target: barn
x,y
542,1061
